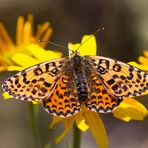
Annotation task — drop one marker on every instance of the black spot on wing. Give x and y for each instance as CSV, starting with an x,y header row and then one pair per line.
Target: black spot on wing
x,y
47,84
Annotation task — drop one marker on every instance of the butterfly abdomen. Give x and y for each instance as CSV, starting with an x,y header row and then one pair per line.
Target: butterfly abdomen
x,y
81,83
82,91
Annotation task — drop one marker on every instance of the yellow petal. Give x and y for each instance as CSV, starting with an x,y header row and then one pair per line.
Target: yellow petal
x,y
30,19
140,66
80,122
46,37
3,68
6,96
88,48
73,46
55,54
36,102
128,114
4,36
4,59
41,54
145,53
27,33
97,128
41,30
143,60
68,122
55,120
134,103
24,60
145,93
15,68
130,109
19,30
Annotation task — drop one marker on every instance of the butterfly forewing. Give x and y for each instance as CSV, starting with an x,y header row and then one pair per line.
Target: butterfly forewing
x,y
36,82
63,101
120,79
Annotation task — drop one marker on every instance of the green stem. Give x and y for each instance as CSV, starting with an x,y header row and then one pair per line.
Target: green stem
x,y
34,114
77,137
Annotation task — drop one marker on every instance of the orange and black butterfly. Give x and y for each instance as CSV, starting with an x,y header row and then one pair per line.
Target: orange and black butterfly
x,y
64,84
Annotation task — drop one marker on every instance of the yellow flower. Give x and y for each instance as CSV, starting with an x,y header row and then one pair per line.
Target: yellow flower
x,y
127,110
85,119
25,34
143,60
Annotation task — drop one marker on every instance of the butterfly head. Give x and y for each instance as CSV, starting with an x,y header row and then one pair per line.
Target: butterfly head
x,y
73,53
76,59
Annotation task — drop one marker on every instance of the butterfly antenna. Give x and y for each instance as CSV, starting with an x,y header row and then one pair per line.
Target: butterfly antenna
x,y
99,30
58,45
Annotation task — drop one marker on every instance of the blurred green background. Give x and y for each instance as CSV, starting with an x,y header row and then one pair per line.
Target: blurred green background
x,y
124,38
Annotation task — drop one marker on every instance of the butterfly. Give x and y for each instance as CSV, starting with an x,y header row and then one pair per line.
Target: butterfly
x,y
63,85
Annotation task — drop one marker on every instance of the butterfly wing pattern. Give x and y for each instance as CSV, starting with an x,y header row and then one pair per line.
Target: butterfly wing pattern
x,y
99,100
119,79
63,85
34,83
64,100
49,82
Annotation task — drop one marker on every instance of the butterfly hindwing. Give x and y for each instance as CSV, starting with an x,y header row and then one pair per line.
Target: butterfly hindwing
x,y
99,99
63,101
120,79
36,82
